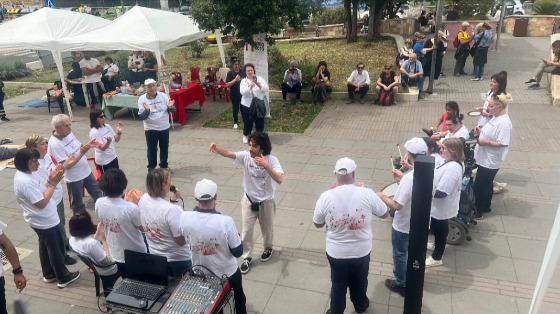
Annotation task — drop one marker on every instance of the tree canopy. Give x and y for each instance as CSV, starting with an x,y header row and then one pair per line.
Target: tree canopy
x,y
248,17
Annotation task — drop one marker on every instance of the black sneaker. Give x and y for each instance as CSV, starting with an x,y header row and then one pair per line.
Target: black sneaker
x,y
442,75
4,118
69,260
68,280
266,254
245,266
478,217
6,141
392,285
534,86
420,95
531,81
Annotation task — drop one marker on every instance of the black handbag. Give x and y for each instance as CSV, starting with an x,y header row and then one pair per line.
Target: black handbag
x,y
257,108
475,46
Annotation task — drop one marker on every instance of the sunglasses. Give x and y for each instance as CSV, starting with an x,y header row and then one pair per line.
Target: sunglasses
x,y
387,68
360,68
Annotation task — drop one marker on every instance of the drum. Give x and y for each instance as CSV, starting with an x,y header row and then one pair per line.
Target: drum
x,y
474,113
390,190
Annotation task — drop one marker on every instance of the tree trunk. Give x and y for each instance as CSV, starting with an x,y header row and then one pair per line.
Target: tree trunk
x,y
369,36
377,17
348,20
354,35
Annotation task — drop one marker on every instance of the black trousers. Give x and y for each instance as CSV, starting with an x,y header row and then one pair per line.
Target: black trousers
x,y
95,91
51,255
440,229
153,138
113,164
483,189
236,283
362,92
236,103
3,296
291,89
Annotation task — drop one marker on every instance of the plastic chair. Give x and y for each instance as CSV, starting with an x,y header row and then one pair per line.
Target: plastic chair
x,y
109,281
209,82
96,174
222,76
52,98
195,74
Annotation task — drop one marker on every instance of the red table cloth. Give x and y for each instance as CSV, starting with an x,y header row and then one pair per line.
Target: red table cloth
x,y
185,97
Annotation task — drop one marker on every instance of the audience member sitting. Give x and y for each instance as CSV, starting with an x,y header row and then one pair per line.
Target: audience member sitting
x,y
321,83
110,72
547,66
150,66
74,75
136,68
120,218
292,82
83,241
405,52
358,82
160,219
412,74
387,83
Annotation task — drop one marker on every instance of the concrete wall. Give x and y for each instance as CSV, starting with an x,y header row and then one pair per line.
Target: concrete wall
x,y
539,25
455,26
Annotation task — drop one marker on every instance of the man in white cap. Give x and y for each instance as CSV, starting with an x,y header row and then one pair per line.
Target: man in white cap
x,y
347,210
213,240
153,110
401,203
261,173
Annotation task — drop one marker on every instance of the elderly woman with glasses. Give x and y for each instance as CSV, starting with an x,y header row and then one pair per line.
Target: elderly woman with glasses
x,y
491,151
445,203
105,154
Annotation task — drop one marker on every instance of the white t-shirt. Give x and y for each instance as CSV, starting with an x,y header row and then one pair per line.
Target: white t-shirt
x,y
159,118
447,179
119,220
103,157
42,174
92,63
439,160
482,120
347,211
29,191
2,228
403,196
462,132
498,129
112,69
161,222
359,78
61,148
445,35
210,236
92,249
257,183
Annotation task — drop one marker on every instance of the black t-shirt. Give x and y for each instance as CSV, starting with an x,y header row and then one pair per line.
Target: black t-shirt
x,y
234,92
387,80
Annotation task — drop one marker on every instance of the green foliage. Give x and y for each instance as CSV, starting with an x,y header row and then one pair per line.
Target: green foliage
x,y
277,65
14,92
120,58
464,10
249,17
13,70
196,47
546,7
231,51
392,7
328,16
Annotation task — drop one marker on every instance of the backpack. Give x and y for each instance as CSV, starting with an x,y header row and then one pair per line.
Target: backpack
x,y
386,98
456,41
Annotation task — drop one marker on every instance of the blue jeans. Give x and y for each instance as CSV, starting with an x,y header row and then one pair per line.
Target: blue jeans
x,y
478,70
75,189
178,268
405,80
154,137
400,251
349,273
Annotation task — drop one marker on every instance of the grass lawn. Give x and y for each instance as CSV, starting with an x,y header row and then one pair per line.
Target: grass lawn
x,y
14,92
291,119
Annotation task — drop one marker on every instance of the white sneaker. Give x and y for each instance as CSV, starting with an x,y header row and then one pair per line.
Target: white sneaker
x,y
235,126
430,262
430,246
245,139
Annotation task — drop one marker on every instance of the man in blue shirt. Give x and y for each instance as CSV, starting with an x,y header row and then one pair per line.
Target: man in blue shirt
x,y
412,73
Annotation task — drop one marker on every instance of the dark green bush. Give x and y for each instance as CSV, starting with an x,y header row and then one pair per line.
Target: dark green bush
x,y
13,70
196,47
277,64
546,7
231,50
328,16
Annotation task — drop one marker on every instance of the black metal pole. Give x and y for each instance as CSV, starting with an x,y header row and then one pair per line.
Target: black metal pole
x,y
418,236
439,14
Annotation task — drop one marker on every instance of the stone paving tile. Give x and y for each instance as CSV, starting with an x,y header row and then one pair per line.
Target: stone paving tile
x,y
527,249
463,300
293,300
484,265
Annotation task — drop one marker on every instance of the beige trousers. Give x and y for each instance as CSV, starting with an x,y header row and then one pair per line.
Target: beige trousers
x,y
266,221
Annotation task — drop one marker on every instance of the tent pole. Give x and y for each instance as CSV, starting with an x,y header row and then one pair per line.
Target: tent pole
x,y
160,56
58,60
220,47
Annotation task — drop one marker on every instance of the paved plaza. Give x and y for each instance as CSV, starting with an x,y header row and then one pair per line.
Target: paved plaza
x,y
494,273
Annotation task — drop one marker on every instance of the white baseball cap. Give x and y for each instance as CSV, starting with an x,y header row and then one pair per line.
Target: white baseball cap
x,y
205,190
416,146
149,81
345,166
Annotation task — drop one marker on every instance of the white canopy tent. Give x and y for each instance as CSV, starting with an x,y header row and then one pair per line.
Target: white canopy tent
x,y
43,29
140,28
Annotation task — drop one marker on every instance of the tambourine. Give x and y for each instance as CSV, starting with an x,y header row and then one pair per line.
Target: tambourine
x,y
474,113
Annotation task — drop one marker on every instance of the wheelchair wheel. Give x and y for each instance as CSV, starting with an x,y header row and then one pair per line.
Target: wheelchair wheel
x,y
457,232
